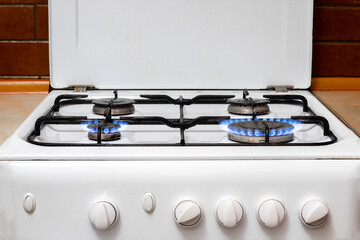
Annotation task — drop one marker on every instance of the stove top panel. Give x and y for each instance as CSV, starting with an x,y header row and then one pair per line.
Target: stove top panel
x,y
156,130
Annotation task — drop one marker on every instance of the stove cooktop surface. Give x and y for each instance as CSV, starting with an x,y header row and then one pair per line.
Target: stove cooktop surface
x,y
264,120
163,120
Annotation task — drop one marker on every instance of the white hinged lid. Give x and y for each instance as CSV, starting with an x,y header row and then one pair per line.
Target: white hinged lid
x,y
181,44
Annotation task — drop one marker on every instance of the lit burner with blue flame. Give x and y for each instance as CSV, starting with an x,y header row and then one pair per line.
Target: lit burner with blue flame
x,y
109,130
250,130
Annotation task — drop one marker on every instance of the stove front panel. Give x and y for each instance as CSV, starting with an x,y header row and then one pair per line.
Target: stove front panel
x,y
65,191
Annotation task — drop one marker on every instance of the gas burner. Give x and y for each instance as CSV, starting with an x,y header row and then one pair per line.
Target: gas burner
x,y
119,106
254,131
109,131
248,106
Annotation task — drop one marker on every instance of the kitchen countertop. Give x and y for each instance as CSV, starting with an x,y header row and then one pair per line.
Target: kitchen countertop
x,y
14,108
346,104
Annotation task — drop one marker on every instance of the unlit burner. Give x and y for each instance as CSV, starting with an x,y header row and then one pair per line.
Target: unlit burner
x,y
254,131
248,106
119,106
109,131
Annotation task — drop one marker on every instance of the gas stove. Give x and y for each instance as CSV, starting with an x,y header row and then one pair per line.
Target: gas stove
x,y
181,160
180,120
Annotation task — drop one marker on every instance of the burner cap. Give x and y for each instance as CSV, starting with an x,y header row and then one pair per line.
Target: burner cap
x,y
243,106
109,131
120,106
247,102
254,131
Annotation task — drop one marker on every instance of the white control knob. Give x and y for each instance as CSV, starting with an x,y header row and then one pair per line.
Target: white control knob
x,y
103,215
314,213
29,203
188,213
229,213
149,203
271,213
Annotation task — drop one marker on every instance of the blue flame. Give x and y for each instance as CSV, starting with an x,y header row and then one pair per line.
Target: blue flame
x,y
273,132
85,126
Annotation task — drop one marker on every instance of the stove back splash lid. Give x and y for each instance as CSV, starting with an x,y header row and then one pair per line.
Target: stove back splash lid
x,y
180,44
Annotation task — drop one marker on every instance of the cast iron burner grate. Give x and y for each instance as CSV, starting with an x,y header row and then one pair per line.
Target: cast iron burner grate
x,y
181,123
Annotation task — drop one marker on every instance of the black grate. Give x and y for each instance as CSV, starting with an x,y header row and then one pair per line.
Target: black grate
x,y
180,123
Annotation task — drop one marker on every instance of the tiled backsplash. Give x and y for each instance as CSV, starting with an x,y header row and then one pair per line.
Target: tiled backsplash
x,y
24,39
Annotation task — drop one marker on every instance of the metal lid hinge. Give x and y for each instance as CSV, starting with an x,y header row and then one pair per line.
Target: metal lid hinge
x,y
280,88
81,88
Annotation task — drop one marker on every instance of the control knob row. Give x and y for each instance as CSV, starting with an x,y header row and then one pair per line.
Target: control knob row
x,y
271,213
229,213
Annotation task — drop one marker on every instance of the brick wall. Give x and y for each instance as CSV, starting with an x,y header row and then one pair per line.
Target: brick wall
x,y
336,51
24,39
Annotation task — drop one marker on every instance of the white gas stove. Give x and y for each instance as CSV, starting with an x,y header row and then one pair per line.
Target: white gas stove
x,y
169,144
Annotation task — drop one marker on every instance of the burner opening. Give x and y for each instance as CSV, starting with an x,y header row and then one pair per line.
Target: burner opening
x,y
119,106
248,106
109,131
255,131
